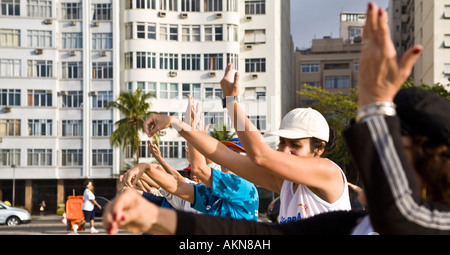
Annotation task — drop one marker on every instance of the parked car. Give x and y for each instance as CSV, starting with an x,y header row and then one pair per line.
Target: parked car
x,y
13,216
273,210
102,201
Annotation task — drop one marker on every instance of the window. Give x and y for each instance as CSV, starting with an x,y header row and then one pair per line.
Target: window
x,y
213,92
186,33
190,5
9,38
336,66
255,7
213,5
232,5
10,7
192,89
9,157
213,33
168,90
173,33
9,127
213,61
102,70
40,68
39,38
41,98
72,99
10,68
101,99
253,65
168,5
146,60
141,4
37,127
190,61
259,121
102,41
196,36
255,93
310,68
151,31
129,31
337,82
232,33
72,70
102,127
102,157
39,157
168,61
10,97
72,157
39,8
255,36
72,128
101,12
233,59
71,11
168,32
214,119
147,87
72,40
128,60
169,149
356,66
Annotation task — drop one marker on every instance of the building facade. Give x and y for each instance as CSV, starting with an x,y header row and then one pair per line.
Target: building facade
x,y
61,61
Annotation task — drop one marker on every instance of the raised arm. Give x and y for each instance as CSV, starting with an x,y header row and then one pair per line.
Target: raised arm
x,y
166,181
156,153
215,151
313,172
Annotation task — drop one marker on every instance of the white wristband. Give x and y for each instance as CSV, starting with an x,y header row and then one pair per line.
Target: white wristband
x,y
377,108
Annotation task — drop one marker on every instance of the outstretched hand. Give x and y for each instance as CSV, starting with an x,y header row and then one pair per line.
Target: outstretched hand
x,y
380,74
155,123
230,82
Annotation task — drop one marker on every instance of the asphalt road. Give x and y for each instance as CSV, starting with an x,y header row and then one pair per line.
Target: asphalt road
x,y
50,225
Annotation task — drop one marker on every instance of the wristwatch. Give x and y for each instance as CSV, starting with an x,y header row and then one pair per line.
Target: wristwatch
x,y
229,99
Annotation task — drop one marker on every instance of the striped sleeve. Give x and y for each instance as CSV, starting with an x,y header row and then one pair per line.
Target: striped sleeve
x,y
392,195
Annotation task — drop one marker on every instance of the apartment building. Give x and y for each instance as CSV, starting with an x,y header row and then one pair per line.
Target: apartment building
x,y
61,61
175,48
432,30
331,63
59,64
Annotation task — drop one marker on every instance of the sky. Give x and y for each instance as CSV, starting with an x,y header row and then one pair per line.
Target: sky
x,y
314,19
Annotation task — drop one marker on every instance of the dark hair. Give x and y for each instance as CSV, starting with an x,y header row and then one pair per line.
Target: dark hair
x,y
432,163
317,143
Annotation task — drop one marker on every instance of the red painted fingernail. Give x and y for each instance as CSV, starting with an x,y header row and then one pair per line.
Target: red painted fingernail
x,y
370,6
114,217
122,218
380,12
417,51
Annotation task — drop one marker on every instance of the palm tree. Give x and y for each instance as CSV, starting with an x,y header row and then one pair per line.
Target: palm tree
x,y
135,108
222,133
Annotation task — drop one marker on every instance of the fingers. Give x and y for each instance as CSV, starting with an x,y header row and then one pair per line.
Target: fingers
x,y
236,79
408,60
371,21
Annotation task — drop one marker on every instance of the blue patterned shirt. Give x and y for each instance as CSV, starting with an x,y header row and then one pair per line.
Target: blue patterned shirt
x,y
229,196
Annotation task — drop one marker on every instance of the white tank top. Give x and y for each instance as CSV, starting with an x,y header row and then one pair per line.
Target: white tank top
x,y
304,203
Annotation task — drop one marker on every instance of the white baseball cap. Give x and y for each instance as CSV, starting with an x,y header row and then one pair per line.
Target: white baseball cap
x,y
303,123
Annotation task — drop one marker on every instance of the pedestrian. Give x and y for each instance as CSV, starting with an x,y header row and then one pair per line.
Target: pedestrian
x,y
42,208
88,206
395,169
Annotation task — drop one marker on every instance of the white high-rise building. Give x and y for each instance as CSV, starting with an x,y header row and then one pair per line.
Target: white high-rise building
x,y
61,61
59,65
174,48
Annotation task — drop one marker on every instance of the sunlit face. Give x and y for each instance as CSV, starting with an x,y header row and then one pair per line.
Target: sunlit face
x,y
298,147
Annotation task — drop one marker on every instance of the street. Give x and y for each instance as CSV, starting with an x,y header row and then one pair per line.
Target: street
x,y
50,225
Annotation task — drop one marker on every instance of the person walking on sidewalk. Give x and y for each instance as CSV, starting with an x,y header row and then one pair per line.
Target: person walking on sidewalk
x,y
89,205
